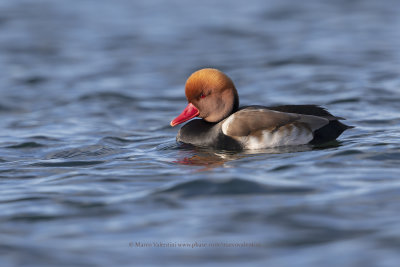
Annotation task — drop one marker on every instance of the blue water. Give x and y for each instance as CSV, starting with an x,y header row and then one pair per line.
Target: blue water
x,y
90,173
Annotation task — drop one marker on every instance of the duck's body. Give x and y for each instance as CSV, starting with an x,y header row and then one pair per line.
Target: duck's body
x,y
212,96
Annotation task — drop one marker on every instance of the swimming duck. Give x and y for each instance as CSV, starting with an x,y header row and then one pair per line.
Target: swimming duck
x,y
212,96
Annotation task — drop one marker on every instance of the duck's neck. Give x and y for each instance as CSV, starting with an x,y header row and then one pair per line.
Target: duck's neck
x,y
235,101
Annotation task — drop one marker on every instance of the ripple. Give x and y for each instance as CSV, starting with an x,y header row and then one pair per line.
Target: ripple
x,y
115,140
283,167
43,137
345,100
34,217
233,186
26,145
348,152
230,32
393,121
22,199
83,152
106,96
69,163
388,156
299,60
282,13
33,80
6,108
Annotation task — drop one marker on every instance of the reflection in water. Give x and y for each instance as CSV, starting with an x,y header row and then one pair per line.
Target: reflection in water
x,y
205,157
211,158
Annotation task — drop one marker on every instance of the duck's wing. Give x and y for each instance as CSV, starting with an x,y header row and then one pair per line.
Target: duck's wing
x,y
260,127
325,134
314,110
307,110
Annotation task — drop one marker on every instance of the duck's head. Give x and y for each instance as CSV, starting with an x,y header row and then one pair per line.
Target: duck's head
x,y
211,96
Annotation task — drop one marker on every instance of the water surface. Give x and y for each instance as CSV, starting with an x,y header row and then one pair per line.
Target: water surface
x,y
89,166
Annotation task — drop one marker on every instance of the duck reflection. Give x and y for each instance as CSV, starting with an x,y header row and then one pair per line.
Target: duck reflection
x,y
206,157
211,158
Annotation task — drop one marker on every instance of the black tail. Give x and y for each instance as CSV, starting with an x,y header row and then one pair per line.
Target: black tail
x,y
329,132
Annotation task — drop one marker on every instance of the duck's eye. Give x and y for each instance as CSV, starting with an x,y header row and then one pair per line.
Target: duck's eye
x,y
202,95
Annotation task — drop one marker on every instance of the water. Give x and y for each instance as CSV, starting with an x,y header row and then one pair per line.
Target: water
x,y
90,173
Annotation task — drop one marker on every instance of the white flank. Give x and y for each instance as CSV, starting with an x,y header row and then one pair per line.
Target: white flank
x,y
284,137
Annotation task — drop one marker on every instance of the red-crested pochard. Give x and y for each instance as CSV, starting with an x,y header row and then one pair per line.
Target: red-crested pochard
x,y
212,96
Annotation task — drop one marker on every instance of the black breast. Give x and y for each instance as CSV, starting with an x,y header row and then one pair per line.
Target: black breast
x,y
201,133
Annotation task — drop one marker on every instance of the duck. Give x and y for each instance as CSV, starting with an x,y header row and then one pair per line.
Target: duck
x,y
222,124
